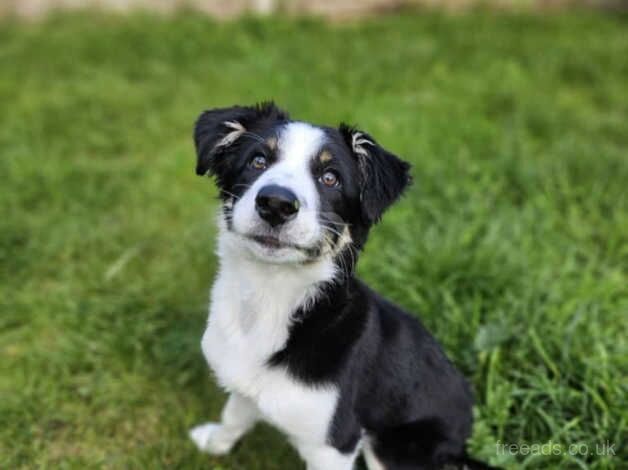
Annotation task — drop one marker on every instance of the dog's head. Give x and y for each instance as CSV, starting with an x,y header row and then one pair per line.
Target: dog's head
x,y
294,192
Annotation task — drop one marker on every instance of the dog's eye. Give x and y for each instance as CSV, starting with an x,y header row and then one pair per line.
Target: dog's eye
x,y
330,179
259,162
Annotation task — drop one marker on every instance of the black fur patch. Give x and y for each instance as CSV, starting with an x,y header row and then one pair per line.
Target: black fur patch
x,y
395,381
228,163
384,176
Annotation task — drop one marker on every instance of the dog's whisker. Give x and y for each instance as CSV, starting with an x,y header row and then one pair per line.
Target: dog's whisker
x,y
254,136
229,193
332,230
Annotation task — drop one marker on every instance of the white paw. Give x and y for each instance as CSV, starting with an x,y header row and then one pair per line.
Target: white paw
x,y
210,438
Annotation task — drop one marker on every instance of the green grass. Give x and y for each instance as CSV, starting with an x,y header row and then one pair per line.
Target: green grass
x,y
513,239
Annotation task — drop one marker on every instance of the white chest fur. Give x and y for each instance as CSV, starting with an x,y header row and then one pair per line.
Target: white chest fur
x,y
250,312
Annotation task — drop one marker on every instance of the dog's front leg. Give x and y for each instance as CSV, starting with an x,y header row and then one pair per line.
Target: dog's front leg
x,y
326,457
238,416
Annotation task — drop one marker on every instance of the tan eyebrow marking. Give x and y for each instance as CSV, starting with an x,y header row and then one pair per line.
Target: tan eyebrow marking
x,y
272,142
325,156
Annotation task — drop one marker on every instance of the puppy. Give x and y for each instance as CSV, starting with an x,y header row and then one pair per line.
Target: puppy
x,y
293,336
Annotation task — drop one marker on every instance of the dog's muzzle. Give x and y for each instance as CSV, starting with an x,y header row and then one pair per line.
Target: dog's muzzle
x,y
276,204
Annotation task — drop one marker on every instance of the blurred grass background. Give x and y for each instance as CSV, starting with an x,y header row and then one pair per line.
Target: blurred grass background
x,y
512,243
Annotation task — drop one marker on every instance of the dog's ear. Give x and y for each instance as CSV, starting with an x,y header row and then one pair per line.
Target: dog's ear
x,y
218,129
384,176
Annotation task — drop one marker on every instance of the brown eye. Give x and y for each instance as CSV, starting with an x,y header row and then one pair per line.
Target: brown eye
x,y
259,162
329,179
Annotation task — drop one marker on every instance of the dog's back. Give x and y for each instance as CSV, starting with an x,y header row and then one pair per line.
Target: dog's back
x,y
414,406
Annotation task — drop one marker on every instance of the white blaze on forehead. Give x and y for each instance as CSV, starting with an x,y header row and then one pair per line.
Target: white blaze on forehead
x,y
297,145
299,141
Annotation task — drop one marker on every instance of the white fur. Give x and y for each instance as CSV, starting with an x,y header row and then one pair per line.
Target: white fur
x,y
326,458
252,302
371,460
250,313
238,416
249,319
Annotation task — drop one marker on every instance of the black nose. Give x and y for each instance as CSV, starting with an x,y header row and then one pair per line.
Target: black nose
x,y
276,204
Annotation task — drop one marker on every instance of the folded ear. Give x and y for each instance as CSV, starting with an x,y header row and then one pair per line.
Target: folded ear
x,y
218,129
384,175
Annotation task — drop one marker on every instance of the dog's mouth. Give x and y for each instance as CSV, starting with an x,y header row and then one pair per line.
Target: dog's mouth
x,y
274,243
270,241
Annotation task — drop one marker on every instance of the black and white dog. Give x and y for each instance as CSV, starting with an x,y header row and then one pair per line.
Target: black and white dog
x,y
293,336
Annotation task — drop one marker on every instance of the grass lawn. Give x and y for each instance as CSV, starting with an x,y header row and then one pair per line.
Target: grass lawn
x,y
512,243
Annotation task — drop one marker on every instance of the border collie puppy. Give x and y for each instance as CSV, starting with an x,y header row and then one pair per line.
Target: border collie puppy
x,y
293,336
